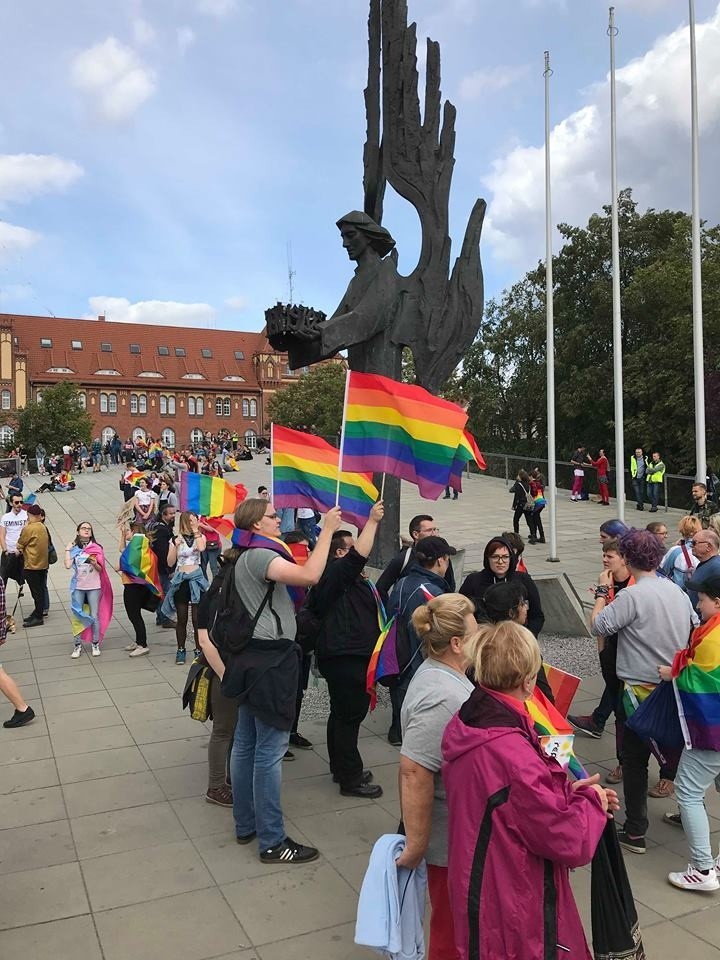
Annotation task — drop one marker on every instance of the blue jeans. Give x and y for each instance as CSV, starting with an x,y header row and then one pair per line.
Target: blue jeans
x,y
92,598
696,771
639,486
256,774
287,519
653,490
160,619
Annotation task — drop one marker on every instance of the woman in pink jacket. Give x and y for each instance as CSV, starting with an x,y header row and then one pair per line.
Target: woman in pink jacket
x,y
516,823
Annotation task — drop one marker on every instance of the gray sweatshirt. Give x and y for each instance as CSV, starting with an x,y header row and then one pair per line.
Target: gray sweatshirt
x,y
652,619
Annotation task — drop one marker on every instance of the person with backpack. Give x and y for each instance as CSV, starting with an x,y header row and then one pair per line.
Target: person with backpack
x,y
420,527
349,605
523,503
679,563
250,644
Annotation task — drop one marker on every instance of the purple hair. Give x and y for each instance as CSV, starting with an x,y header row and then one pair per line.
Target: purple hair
x,y
641,549
614,528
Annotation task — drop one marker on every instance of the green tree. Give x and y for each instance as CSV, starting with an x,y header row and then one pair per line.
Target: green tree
x,y
314,403
56,419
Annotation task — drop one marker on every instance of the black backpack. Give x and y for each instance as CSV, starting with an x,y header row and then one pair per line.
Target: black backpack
x,y
308,622
230,625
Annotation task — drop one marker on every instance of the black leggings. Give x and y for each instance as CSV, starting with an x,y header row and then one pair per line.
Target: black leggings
x,y
521,512
181,615
135,598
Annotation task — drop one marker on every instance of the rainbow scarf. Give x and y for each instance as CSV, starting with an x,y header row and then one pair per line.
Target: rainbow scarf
x,y
82,621
246,540
697,687
139,564
555,733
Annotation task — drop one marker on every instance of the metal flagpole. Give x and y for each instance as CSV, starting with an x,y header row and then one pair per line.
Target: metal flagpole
x,y
550,334
616,312
342,438
272,462
698,364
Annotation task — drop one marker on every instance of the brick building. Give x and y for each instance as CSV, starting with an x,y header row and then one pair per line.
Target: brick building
x,y
144,380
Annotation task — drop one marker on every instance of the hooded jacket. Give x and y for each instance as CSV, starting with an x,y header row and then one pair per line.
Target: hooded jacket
x,y
515,828
416,588
476,585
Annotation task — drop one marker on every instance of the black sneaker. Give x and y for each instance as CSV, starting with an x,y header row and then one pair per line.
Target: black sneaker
x,y
633,844
288,851
289,755
587,725
394,737
302,743
20,718
368,791
673,818
367,776
248,838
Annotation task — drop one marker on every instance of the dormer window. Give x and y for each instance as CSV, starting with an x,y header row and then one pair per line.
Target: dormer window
x,y
135,348
106,348
206,354
46,343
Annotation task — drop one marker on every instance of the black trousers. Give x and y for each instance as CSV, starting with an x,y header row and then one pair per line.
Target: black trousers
x,y
37,581
137,598
349,704
303,680
521,512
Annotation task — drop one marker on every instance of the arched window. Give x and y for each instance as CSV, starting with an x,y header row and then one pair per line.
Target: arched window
x,y
227,407
270,371
103,403
5,399
163,405
191,406
6,436
250,439
112,403
218,406
171,406
107,434
38,396
245,408
253,409
133,403
168,438
138,434
82,401
200,406
142,403
196,435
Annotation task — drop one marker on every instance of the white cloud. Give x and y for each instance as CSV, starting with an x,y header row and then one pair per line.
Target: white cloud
x,y
653,102
475,84
143,32
25,175
160,312
14,292
185,39
15,239
237,303
216,8
114,78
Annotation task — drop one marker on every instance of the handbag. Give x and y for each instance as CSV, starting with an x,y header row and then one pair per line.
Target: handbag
x,y
196,694
52,552
656,721
615,931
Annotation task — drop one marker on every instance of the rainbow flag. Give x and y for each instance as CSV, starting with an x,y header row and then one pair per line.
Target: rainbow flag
x,y
29,497
466,452
305,469
139,564
564,687
697,687
155,448
550,724
222,525
135,476
209,496
402,430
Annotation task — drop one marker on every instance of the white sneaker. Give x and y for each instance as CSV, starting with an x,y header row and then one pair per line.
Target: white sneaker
x,y
140,651
692,879
96,649
77,652
131,646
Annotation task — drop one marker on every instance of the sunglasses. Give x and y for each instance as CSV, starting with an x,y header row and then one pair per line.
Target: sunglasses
x,y
16,503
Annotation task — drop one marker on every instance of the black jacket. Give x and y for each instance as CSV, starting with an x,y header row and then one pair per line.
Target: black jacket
x,y
520,494
476,585
265,678
160,544
399,566
345,602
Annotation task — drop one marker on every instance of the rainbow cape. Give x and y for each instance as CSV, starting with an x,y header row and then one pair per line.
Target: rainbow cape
x,y
139,564
466,452
550,724
82,621
402,430
697,687
305,472
246,540
209,496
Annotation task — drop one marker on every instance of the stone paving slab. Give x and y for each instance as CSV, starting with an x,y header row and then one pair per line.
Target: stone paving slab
x,y
108,850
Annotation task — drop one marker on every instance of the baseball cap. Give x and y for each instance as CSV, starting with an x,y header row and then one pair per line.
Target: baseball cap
x,y
709,585
432,548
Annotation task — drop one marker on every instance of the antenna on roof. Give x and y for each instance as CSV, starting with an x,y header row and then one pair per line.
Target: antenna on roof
x,y
291,272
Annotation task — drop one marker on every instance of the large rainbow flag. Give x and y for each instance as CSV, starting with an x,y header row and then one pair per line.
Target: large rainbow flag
x,y
209,496
466,452
697,686
402,430
139,564
305,470
555,731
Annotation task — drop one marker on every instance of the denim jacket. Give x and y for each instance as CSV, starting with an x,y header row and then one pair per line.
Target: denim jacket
x,y
197,583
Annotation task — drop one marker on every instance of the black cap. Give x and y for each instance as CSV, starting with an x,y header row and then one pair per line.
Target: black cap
x,y
709,584
432,548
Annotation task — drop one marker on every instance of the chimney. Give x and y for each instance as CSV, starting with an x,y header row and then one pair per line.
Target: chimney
x,y
101,317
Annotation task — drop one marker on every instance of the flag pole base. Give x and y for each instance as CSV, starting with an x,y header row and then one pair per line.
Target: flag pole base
x,y
552,559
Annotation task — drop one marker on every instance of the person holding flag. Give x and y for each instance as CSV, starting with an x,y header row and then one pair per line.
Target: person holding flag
x,y
91,595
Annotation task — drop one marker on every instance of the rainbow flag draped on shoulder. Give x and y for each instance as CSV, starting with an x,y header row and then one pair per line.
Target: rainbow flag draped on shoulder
x,y
139,564
246,540
696,673
209,496
82,619
402,430
305,471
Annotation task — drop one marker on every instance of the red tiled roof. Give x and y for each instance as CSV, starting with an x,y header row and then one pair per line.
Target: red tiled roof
x,y
84,363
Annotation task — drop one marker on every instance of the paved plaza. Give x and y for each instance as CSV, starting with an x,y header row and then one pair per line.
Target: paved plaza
x,y
109,850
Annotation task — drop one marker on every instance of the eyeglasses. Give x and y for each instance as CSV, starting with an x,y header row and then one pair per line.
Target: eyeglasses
x,y
16,503
430,530
699,543
500,558
272,516
84,526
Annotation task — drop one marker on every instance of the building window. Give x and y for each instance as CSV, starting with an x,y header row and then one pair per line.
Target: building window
x,y
59,370
191,406
168,438
250,439
253,409
196,435
107,434
6,436
206,354
112,403
193,376
171,406
227,407
82,401
163,351
151,373
179,351
138,434
76,344
246,408
133,403
5,400
46,342
103,403
142,403
106,348
135,348
270,371
200,407
108,372
163,406
218,407
239,355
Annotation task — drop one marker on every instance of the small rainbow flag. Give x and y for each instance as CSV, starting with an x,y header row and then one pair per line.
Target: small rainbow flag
x,y
155,448
305,470
466,452
564,687
402,430
549,723
209,496
221,525
139,564
135,476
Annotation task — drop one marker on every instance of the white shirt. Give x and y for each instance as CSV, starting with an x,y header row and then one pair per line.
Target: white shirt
x,y
304,513
13,524
67,450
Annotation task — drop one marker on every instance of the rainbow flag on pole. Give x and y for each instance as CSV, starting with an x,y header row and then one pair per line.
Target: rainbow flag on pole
x,y
209,496
556,734
402,430
564,687
466,452
305,471
139,564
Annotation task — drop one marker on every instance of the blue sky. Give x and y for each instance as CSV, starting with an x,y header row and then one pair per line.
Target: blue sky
x,y
157,157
